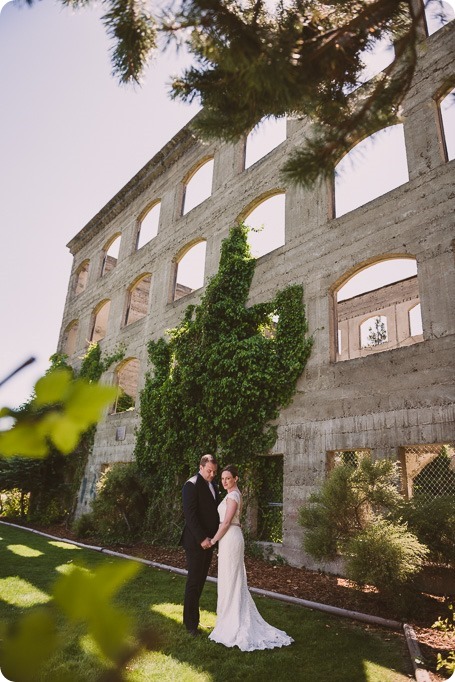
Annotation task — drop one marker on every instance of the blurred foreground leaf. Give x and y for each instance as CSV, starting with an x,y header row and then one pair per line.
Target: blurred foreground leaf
x,y
61,411
32,642
84,597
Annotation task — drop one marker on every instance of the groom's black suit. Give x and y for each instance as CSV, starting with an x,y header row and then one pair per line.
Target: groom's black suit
x,y
200,509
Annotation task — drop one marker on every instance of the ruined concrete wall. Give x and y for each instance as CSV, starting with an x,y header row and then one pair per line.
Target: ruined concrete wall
x,y
381,402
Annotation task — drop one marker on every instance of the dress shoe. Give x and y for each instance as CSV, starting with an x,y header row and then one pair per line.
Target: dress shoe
x,y
194,633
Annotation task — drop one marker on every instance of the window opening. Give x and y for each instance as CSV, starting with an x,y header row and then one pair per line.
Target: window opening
x,y
373,167
373,332
138,300
415,321
428,470
199,186
100,319
70,338
350,457
378,309
266,225
270,499
266,136
148,228
447,114
269,327
110,256
127,376
190,271
438,13
81,278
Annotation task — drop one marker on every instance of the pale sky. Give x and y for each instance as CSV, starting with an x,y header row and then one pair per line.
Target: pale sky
x,y
70,139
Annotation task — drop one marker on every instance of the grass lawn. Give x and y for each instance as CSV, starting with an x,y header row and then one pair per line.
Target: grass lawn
x,y
326,649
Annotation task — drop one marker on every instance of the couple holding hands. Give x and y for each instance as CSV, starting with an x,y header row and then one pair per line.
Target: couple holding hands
x,y
209,521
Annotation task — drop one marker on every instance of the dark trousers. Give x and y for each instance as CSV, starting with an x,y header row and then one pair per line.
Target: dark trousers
x,y
198,564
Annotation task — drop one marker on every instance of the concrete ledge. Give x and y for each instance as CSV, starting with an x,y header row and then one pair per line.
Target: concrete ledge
x,y
420,673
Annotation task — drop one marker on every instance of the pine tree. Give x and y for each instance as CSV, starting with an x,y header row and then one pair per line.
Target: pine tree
x,y
377,335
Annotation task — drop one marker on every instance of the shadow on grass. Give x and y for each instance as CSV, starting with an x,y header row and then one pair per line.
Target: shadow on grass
x,y
325,648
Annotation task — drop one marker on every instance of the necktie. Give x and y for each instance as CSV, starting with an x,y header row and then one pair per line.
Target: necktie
x,y
212,490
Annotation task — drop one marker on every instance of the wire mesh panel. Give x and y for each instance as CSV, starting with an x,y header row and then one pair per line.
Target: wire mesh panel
x,y
429,470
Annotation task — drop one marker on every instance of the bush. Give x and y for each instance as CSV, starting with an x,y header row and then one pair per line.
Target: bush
x,y
384,554
84,526
348,499
432,519
119,509
14,503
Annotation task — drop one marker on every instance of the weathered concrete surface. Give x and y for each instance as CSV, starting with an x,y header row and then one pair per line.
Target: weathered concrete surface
x,y
381,402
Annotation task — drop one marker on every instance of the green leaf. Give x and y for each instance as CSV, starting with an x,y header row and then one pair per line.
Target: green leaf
x,y
63,431
109,578
24,652
85,596
73,594
86,402
23,440
7,412
53,387
111,630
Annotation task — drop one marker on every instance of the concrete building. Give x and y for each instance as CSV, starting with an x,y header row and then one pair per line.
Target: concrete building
x,y
394,398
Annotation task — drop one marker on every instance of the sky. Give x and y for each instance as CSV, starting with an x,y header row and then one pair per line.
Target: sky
x,y
70,139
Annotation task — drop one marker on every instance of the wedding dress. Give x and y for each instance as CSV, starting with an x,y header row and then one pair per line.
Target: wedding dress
x,y
239,623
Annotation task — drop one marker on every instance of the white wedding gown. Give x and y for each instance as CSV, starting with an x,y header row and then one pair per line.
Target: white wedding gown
x,y
238,622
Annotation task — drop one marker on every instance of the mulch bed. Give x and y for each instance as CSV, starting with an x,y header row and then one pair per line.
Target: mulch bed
x,y
316,586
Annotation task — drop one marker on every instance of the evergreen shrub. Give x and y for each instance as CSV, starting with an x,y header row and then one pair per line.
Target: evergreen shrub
x,y
384,554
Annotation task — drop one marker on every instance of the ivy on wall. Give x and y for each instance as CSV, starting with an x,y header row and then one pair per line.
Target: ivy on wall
x,y
218,383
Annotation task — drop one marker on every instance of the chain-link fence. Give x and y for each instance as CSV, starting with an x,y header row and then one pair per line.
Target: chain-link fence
x,y
428,470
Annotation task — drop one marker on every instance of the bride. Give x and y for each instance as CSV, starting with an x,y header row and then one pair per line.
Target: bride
x,y
238,623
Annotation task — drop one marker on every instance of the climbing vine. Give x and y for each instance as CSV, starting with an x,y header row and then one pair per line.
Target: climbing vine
x,y
218,383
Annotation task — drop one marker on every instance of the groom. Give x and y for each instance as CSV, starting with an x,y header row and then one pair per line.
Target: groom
x,y
200,509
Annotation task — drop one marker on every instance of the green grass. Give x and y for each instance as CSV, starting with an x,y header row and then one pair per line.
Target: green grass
x,y
326,648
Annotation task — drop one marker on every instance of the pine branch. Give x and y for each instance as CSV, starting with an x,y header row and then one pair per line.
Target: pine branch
x,y
133,30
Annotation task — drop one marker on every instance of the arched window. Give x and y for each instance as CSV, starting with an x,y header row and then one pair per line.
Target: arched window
x,y
372,308
447,117
138,299
81,278
438,13
70,337
415,320
373,167
110,255
267,225
189,270
268,134
373,332
198,186
127,376
148,227
99,321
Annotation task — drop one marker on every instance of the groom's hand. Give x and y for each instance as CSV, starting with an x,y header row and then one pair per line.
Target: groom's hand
x,y
205,544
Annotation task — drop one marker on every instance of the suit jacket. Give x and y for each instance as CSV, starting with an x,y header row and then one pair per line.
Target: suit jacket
x,y
200,510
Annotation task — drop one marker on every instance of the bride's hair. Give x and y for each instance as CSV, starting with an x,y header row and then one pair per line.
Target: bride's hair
x,y
232,470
